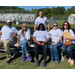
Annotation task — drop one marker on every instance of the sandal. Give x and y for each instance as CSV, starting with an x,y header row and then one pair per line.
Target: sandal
x,y
69,60
72,63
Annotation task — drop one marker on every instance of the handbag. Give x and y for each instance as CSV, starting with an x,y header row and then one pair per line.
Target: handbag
x,y
68,43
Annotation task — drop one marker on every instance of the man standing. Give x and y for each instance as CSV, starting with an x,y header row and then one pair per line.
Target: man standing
x,y
7,33
41,19
14,20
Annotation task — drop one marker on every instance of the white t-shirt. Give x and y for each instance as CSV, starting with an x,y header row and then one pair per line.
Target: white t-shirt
x,y
41,20
14,18
26,35
71,33
8,32
55,34
41,35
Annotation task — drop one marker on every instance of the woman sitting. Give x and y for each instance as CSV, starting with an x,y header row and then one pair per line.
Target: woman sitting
x,y
56,36
23,40
41,38
68,49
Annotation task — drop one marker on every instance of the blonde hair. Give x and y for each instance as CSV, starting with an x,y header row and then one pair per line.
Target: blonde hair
x,y
22,31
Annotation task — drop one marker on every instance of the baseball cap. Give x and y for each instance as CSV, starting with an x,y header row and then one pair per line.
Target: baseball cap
x,y
8,20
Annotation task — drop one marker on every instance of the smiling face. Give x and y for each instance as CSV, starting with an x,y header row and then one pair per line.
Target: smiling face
x,y
41,14
65,25
24,27
55,26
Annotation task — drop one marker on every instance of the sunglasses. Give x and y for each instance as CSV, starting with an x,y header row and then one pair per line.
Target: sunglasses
x,y
24,26
55,25
65,24
41,26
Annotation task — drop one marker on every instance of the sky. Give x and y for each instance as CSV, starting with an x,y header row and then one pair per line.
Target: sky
x,y
38,7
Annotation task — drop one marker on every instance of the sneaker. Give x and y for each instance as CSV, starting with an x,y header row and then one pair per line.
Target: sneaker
x,y
52,60
23,59
8,61
44,63
29,58
37,63
57,61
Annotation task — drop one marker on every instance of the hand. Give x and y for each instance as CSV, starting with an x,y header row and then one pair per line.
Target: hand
x,y
66,38
54,43
28,43
18,45
42,44
39,43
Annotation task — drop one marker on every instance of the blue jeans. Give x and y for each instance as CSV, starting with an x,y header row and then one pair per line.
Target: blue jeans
x,y
24,45
54,50
68,50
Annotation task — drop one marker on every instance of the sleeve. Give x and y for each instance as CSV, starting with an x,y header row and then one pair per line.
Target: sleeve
x,y
15,30
36,21
72,33
28,33
47,35
49,32
46,20
60,32
2,29
35,33
19,32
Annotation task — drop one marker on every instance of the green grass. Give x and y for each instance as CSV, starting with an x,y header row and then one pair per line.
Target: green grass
x,y
60,22
17,64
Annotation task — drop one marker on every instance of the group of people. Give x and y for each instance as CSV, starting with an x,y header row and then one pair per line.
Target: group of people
x,y
41,37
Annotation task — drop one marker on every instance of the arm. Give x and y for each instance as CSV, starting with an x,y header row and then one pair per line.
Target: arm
x,y
18,41
35,27
48,26
46,41
70,38
34,39
28,42
14,35
57,40
0,33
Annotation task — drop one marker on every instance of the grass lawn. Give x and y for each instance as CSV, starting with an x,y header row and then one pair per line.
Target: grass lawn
x,y
17,64
60,22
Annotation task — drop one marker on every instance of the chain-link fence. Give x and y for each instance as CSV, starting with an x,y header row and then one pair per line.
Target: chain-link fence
x,y
58,18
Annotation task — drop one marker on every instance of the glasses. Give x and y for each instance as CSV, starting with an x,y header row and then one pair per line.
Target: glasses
x,y
65,24
24,26
41,26
55,25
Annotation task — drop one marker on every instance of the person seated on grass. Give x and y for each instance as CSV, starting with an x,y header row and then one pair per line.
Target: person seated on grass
x,y
23,40
56,36
7,33
41,38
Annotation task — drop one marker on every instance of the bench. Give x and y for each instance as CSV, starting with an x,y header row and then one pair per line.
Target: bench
x,y
15,50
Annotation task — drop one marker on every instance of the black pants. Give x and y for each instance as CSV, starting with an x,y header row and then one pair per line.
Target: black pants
x,y
44,48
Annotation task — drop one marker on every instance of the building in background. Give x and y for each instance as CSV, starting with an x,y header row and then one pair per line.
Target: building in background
x,y
71,19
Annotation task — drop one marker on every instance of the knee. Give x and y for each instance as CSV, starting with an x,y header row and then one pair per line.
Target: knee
x,y
51,46
5,45
63,48
55,47
69,50
22,46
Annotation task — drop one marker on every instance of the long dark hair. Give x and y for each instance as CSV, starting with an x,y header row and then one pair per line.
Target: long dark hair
x,y
38,28
67,27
